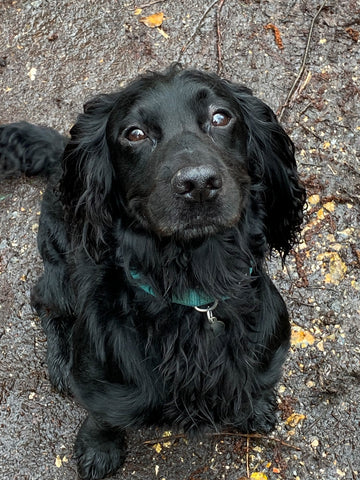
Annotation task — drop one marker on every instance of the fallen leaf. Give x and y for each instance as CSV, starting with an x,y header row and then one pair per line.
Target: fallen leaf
x,y
314,199
337,269
154,20
157,447
58,461
320,214
295,419
330,206
258,476
301,338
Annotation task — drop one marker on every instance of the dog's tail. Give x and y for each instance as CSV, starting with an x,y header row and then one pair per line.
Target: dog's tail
x,y
31,149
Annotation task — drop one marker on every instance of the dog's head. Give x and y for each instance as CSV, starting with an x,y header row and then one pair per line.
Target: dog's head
x,y
182,154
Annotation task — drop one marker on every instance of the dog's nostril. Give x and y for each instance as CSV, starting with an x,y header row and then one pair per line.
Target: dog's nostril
x,y
199,183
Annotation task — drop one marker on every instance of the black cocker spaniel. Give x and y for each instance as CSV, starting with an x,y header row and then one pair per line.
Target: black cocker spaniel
x,y
158,215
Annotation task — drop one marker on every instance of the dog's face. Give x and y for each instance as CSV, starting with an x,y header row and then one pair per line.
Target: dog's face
x,y
183,154
179,153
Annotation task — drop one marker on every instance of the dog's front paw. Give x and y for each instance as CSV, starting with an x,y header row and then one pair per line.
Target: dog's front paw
x,y
262,424
99,452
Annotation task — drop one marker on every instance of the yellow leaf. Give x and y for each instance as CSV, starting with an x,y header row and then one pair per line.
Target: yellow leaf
x,y
58,461
157,447
337,269
301,337
330,206
314,199
154,20
138,11
320,214
258,476
295,419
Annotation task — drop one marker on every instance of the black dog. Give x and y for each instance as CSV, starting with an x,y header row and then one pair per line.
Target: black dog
x,y
154,228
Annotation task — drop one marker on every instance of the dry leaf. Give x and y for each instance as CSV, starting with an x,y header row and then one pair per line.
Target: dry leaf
x,y
295,419
314,199
332,262
258,476
154,20
301,338
157,447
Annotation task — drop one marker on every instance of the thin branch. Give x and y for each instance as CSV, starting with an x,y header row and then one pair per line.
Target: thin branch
x,y
186,46
150,4
218,37
303,63
248,436
248,457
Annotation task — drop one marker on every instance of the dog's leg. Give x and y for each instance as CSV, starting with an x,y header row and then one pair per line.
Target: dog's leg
x,y
58,329
100,451
263,418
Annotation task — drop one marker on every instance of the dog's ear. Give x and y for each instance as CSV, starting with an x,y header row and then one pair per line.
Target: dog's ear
x,y
272,167
87,181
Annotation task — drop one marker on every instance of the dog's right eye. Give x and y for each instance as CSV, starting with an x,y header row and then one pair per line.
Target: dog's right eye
x,y
135,135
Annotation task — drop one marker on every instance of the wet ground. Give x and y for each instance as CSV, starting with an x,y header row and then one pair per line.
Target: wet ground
x,y
54,55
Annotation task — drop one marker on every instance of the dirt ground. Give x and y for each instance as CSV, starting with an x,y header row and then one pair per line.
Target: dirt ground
x,y
56,54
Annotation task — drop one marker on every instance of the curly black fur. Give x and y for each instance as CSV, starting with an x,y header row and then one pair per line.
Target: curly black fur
x,y
181,182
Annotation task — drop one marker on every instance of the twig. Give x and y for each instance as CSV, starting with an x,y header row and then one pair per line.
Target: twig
x,y
170,438
303,63
248,436
218,33
150,4
186,46
248,457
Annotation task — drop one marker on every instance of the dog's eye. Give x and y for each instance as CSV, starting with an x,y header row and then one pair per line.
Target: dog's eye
x,y
135,135
220,119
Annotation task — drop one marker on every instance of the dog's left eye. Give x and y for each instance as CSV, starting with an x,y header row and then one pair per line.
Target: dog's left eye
x,y
135,134
220,119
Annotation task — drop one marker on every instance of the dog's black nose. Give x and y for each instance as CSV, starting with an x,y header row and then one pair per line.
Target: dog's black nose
x,y
197,184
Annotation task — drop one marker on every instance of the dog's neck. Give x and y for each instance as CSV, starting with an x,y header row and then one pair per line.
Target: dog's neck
x,y
189,274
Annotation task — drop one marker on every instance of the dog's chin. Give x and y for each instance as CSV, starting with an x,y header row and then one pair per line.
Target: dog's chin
x,y
181,227
193,232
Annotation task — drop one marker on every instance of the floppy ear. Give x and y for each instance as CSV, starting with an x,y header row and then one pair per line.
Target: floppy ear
x,y
272,167
88,176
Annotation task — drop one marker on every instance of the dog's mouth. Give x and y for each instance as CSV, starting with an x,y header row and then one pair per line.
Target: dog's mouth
x,y
183,223
195,229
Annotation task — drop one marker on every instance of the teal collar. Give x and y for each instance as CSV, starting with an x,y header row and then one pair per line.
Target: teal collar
x,y
192,298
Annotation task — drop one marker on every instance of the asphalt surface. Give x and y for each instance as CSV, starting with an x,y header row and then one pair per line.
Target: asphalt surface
x,y
54,55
